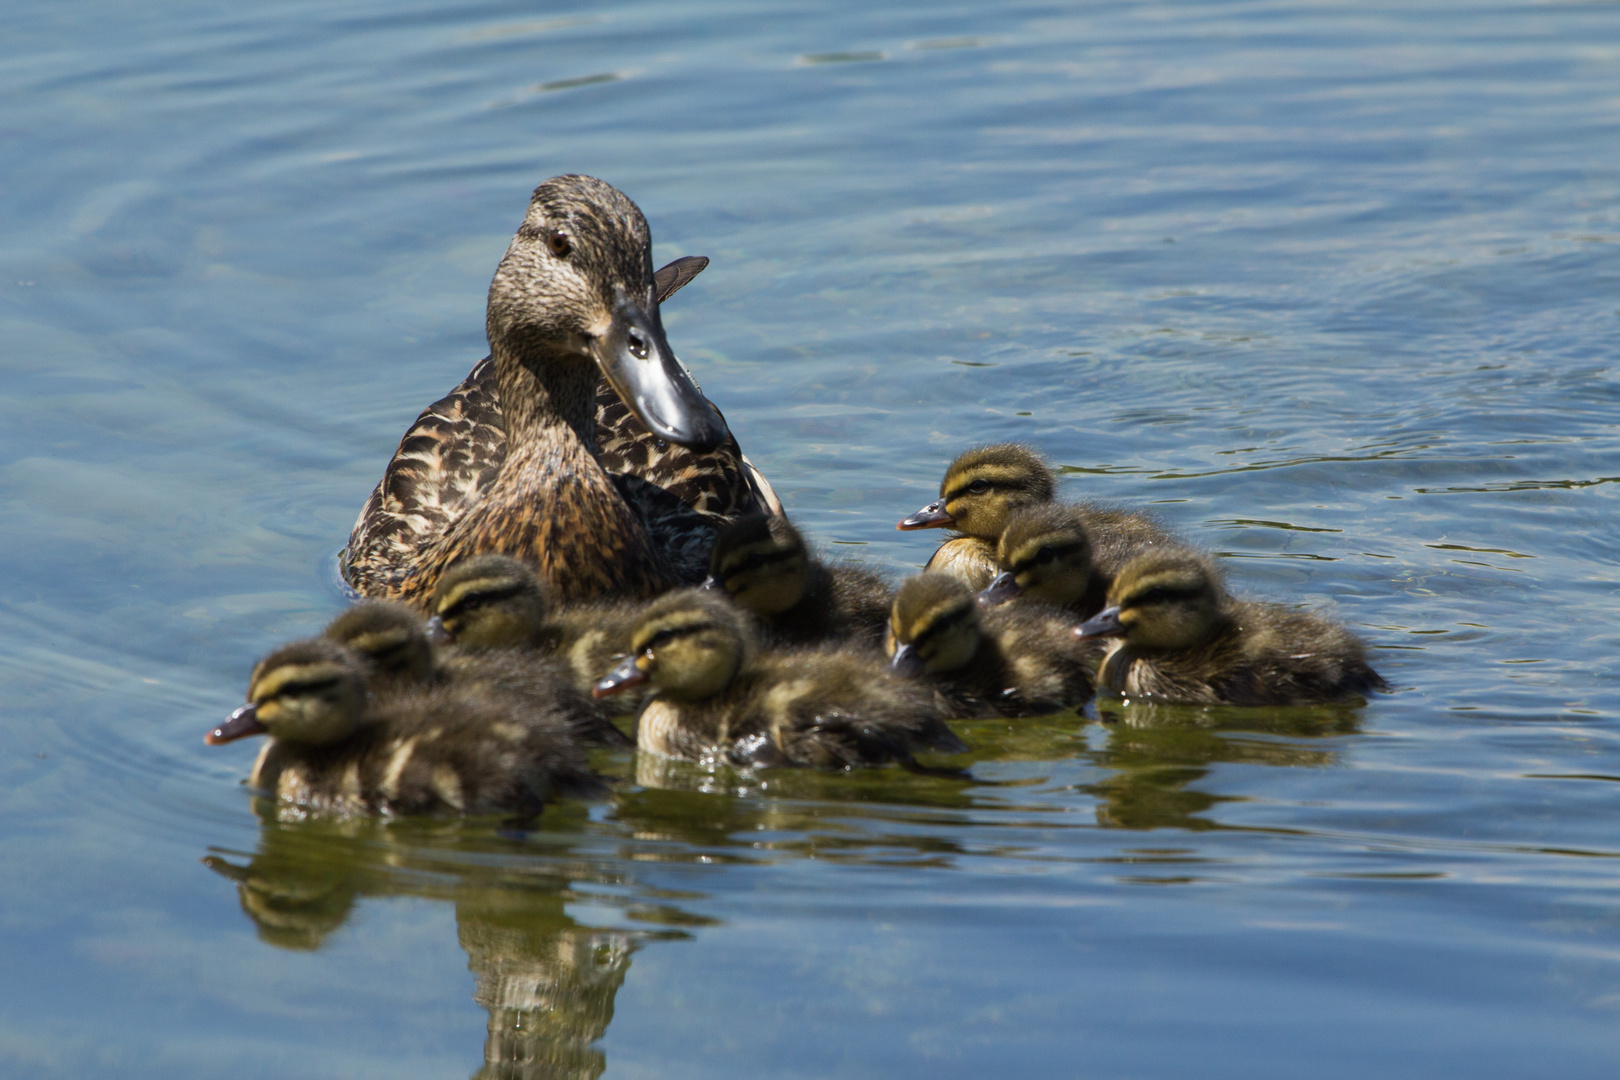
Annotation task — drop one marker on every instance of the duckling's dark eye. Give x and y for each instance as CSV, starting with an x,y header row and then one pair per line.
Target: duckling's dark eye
x,y
1153,596
1045,555
754,561
558,242
979,487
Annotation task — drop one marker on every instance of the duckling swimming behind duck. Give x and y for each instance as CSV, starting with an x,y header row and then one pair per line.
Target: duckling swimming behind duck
x,y
716,696
1016,660
761,562
393,644
1177,636
436,750
982,486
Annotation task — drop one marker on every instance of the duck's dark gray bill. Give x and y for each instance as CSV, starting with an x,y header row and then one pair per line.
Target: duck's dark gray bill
x,y
239,725
711,584
905,662
999,591
622,677
642,367
932,516
1103,624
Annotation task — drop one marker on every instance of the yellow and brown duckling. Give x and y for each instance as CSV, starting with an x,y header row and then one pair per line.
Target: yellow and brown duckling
x,y
573,302
1045,555
981,487
1015,660
442,749
1176,635
762,564
715,696
492,604
396,648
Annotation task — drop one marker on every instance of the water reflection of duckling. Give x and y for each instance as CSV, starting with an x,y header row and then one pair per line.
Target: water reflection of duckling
x,y
1177,636
762,563
393,643
1017,660
714,695
442,748
981,487
494,603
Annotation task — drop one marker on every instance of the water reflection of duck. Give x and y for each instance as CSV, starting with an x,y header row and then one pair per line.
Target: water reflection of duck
x,y
1177,636
1016,660
715,695
509,461
761,562
549,983
442,748
983,488
393,643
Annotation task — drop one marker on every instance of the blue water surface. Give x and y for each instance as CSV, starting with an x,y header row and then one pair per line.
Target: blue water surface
x,y
1334,288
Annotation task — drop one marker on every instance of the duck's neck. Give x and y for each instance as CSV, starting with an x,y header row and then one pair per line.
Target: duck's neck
x,y
543,393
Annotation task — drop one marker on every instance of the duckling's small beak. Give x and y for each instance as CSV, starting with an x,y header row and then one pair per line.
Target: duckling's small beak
x,y
240,724
638,361
620,678
932,516
710,584
905,662
437,635
1103,624
1001,590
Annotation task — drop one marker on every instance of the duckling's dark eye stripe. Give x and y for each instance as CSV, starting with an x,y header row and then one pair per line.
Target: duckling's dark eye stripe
x,y
1059,551
306,686
483,596
964,489
664,637
756,559
950,620
1161,594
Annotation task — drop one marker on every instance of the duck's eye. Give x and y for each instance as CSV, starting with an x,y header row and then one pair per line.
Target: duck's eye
x,y
754,561
1045,555
979,487
1153,596
559,244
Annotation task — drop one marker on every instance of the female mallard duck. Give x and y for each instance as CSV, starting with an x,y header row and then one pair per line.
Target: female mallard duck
x,y
495,603
984,487
1017,660
762,564
715,696
334,749
509,460
1177,636
393,644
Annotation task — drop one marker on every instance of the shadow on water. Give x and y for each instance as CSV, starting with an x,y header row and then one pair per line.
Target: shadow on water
x,y
547,981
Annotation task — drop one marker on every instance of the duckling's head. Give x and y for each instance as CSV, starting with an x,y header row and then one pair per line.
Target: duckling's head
x,y
933,626
1044,554
577,285
1166,598
984,485
760,562
488,602
688,645
310,692
388,637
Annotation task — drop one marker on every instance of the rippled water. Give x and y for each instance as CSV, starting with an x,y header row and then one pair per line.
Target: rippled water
x,y
1332,287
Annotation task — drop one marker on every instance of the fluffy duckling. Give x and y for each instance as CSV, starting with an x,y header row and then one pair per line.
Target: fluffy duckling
x,y
715,696
1067,556
493,603
762,564
393,645
440,749
981,487
1177,636
1017,660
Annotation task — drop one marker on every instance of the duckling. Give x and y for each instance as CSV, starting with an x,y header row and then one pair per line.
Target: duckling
x,y
987,485
1177,636
1047,554
393,645
716,696
510,460
493,603
982,486
762,564
439,749
1017,660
